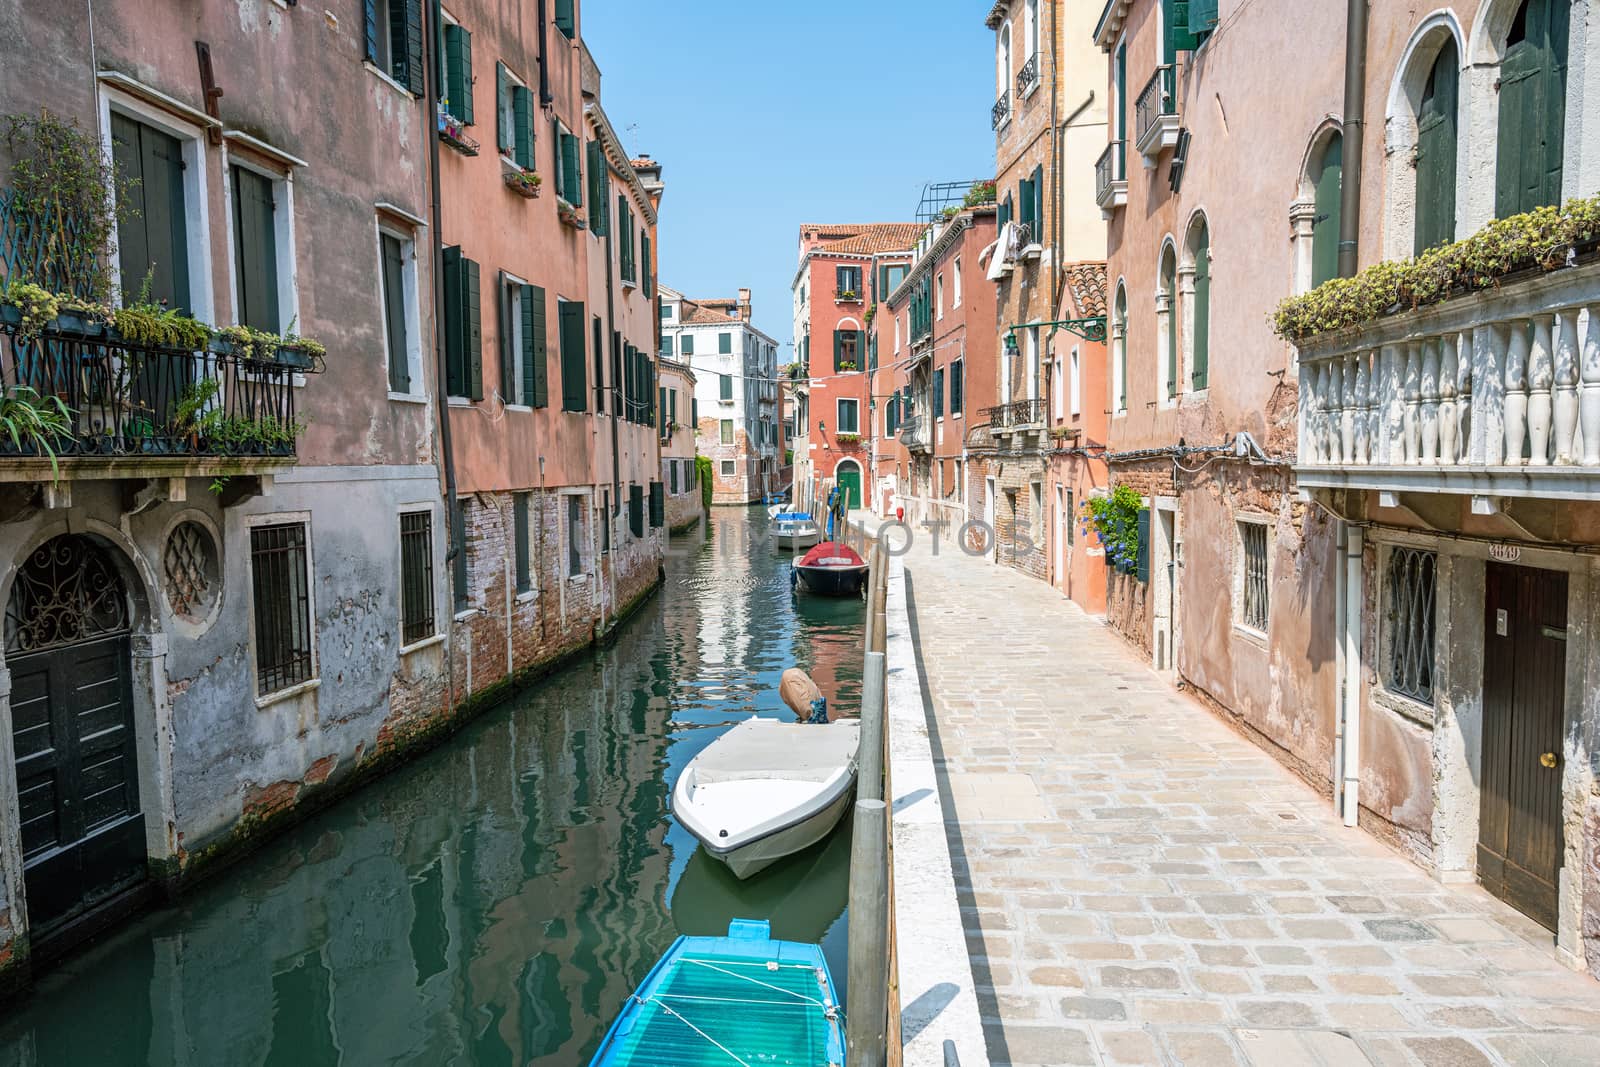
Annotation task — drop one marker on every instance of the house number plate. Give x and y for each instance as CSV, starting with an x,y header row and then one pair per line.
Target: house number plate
x,y
1505,553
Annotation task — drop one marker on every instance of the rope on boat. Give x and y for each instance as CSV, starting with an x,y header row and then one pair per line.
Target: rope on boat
x,y
668,1009
757,981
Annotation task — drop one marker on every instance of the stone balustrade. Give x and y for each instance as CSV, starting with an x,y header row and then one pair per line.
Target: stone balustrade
x,y
1503,383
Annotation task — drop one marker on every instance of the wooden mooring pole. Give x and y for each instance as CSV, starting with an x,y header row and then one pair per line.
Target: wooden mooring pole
x,y
867,1016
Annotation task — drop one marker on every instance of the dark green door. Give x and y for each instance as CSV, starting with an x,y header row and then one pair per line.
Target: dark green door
x,y
1533,108
849,481
255,245
152,234
68,647
1325,223
1436,152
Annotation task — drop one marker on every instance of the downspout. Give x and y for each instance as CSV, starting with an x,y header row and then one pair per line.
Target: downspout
x,y
545,99
614,337
1355,105
1350,683
441,376
1057,140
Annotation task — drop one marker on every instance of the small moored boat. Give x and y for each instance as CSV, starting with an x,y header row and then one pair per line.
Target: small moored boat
x,y
832,569
768,789
744,998
796,530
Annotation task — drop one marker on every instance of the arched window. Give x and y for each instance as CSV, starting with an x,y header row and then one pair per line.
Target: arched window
x,y
1002,61
1167,316
1533,99
1326,172
1436,151
1197,303
1032,24
1119,378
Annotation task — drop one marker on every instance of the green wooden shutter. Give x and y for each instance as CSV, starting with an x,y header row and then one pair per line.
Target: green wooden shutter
x,y
1436,152
838,347
571,174
1025,201
658,505
1038,204
1141,567
1325,226
369,24
256,251
958,386
522,119
648,266
1202,311
470,303
532,326
502,90
1122,110
636,510
573,386
624,238
505,328
1533,92
454,344
724,344
564,17
1169,282
1179,37
457,79
599,215
938,393
413,79
1202,16
861,347
394,314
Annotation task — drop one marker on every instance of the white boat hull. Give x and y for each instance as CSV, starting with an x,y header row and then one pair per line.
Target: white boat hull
x,y
759,855
799,538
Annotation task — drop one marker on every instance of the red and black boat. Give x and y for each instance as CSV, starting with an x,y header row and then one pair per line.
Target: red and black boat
x,y
831,569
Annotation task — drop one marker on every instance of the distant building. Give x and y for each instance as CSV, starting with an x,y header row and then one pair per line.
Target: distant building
x,y
676,422
735,404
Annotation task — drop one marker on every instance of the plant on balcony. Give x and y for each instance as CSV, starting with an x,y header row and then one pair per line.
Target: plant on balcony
x,y
981,193
161,327
32,422
867,316
290,350
522,182
569,214
27,306
846,295
1544,239
847,364
1115,521
847,439
453,132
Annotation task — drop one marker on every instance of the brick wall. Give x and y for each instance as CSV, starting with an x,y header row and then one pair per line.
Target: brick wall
x,y
1127,598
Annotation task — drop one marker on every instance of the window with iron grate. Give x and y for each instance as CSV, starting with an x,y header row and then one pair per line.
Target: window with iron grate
x,y
1253,555
1409,623
416,577
282,606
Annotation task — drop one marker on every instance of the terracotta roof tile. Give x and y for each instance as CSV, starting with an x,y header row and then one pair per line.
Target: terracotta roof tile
x,y
1087,282
869,238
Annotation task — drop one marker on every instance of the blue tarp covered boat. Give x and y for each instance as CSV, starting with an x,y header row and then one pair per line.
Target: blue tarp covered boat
x,y
719,1001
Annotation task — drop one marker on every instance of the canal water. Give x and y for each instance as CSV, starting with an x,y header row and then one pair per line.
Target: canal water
x,y
495,901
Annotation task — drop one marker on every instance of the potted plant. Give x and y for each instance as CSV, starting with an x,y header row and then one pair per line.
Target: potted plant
x,y
453,132
847,364
28,307
847,439
31,422
846,295
524,183
568,214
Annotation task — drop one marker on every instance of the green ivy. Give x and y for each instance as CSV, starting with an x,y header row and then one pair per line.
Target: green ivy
x,y
1115,520
702,466
1539,239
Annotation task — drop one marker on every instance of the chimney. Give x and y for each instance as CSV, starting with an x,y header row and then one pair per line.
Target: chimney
x,y
744,304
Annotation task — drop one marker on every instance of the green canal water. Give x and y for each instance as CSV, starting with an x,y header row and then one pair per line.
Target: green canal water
x,y
495,901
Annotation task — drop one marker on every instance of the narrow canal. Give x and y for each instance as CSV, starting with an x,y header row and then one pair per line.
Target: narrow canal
x,y
495,901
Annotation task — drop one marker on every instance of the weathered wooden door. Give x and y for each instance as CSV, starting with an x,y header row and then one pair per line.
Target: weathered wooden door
x,y
1533,102
68,648
1524,699
849,478
1436,152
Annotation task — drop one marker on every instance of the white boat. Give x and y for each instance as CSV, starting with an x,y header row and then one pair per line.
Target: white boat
x,y
767,789
796,530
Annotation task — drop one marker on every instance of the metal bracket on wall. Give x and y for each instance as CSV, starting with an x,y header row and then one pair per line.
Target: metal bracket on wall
x,y
1090,329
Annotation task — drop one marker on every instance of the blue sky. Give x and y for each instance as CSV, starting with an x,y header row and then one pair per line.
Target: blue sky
x,y
765,115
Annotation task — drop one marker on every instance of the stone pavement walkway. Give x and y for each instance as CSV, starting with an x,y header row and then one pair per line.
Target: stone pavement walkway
x,y
1142,885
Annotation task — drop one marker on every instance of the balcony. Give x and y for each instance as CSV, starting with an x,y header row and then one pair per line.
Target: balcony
x,y
137,410
1111,178
1156,122
1028,77
1020,415
1000,114
1491,394
916,435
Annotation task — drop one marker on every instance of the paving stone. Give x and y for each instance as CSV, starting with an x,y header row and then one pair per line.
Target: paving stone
x,y
1183,1010
1451,985
1128,1046
1399,930
1201,1049
1358,905
1026,1046
1283,956
1363,985
1056,976
1288,1048
1224,982
1139,977
1224,955
1085,1007
1284,1013
1287,983
1446,1052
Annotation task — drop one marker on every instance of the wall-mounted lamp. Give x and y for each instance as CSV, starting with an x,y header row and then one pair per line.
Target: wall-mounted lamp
x,y
822,427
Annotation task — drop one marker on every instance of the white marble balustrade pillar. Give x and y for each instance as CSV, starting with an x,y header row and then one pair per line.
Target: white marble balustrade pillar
x,y
1333,409
1564,414
1349,411
1307,405
1589,412
1428,410
1394,407
1372,368
1411,395
1464,384
1489,347
1365,417
1447,399
1516,400
1541,382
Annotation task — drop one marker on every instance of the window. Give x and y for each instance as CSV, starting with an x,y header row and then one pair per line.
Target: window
x,y
889,279
514,359
1076,384
574,388
847,349
598,345
938,289
255,245
955,277
666,345
848,280
605,519
897,334
153,234
397,273
457,72
514,111
1409,623
725,386
725,343
957,385
574,535
1253,575
393,40
687,344
727,431
1167,316
282,593
1533,99
463,328
416,577
727,468
1200,254
566,21
627,251
519,524
569,174
1036,511
938,393
1002,61
849,416
1325,176
1058,399
1436,151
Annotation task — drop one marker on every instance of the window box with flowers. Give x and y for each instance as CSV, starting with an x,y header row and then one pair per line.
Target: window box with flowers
x,y
848,365
453,132
847,296
570,215
525,183
847,440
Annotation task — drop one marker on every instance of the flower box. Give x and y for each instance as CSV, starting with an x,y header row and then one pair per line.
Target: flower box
x,y
453,132
525,183
569,215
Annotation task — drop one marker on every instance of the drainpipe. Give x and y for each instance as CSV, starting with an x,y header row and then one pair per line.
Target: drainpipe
x,y
1057,140
1355,104
1350,679
545,99
611,337
441,378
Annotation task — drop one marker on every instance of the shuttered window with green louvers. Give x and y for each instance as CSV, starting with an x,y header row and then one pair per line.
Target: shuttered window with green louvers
x,y
1533,101
636,510
571,189
522,116
535,373
1179,37
1436,152
658,505
566,21
574,389
1327,174
1202,18
648,266
463,329
393,40
458,72
600,212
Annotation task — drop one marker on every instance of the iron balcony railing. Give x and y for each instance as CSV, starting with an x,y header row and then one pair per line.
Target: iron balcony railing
x,y
1028,76
1110,174
1001,112
133,400
1016,415
1158,98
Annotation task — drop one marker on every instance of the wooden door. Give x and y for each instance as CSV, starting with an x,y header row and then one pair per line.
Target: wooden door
x,y
1524,698
849,479
1533,102
1436,152
152,231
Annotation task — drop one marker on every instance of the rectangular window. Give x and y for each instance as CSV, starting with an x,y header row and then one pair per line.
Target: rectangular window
x,y
849,410
938,393
957,386
1255,588
727,431
569,173
395,256
463,328
597,338
725,343
938,288
666,344
566,20
574,390
725,386
727,468
282,606
574,535
519,523
255,246
688,344
394,40
848,281
604,518
1409,623
891,278
956,278
1072,521
1077,403
457,72
513,358
416,577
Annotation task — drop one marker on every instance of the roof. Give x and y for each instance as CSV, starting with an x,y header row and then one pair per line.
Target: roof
x,y
1087,283
693,312
865,238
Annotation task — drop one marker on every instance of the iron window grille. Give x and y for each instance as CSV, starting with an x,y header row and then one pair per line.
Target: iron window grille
x,y
282,606
574,536
416,577
519,516
1253,540
1410,620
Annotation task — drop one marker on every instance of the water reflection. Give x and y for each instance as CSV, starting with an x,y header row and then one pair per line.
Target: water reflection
x,y
494,902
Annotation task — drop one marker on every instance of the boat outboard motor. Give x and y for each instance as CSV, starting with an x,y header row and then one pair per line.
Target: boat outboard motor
x,y
802,696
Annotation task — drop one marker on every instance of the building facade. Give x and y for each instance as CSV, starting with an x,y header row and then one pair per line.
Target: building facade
x,y
678,448
845,273
735,404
